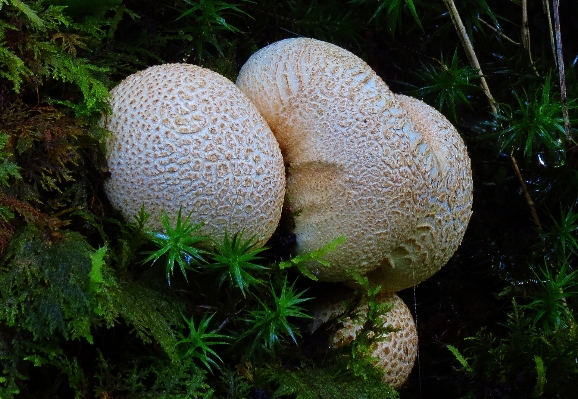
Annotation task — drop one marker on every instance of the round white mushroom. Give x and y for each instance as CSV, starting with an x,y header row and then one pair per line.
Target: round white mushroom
x,y
439,231
184,136
394,352
358,164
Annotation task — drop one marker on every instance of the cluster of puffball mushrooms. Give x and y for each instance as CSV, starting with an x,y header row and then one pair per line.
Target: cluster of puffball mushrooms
x,y
387,171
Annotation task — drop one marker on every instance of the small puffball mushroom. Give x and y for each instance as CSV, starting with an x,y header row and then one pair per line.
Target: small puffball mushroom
x,y
184,136
395,354
359,164
331,304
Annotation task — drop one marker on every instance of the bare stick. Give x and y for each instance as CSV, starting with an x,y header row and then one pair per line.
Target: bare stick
x,y
567,126
525,27
498,32
475,63
526,34
526,193
546,5
461,29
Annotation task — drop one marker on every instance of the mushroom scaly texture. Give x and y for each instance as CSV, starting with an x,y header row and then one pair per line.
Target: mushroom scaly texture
x,y
394,353
358,164
440,231
184,136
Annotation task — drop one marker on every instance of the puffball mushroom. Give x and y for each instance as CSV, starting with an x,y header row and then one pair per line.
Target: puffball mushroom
x,y
440,231
359,164
185,136
395,353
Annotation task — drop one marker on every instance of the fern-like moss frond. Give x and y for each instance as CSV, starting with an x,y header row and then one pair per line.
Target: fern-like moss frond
x,y
151,314
310,382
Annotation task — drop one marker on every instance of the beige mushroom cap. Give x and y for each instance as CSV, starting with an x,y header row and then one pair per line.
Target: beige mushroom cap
x,y
358,164
439,231
186,136
395,354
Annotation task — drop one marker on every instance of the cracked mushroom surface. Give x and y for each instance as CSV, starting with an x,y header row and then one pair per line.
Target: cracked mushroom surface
x,y
186,136
440,230
358,164
395,353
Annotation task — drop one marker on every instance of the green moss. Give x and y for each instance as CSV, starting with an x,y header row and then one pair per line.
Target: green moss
x,y
44,284
65,304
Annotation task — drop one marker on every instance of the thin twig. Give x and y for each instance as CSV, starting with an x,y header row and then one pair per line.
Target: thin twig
x,y
546,5
475,63
461,29
526,34
525,27
567,126
498,32
526,193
